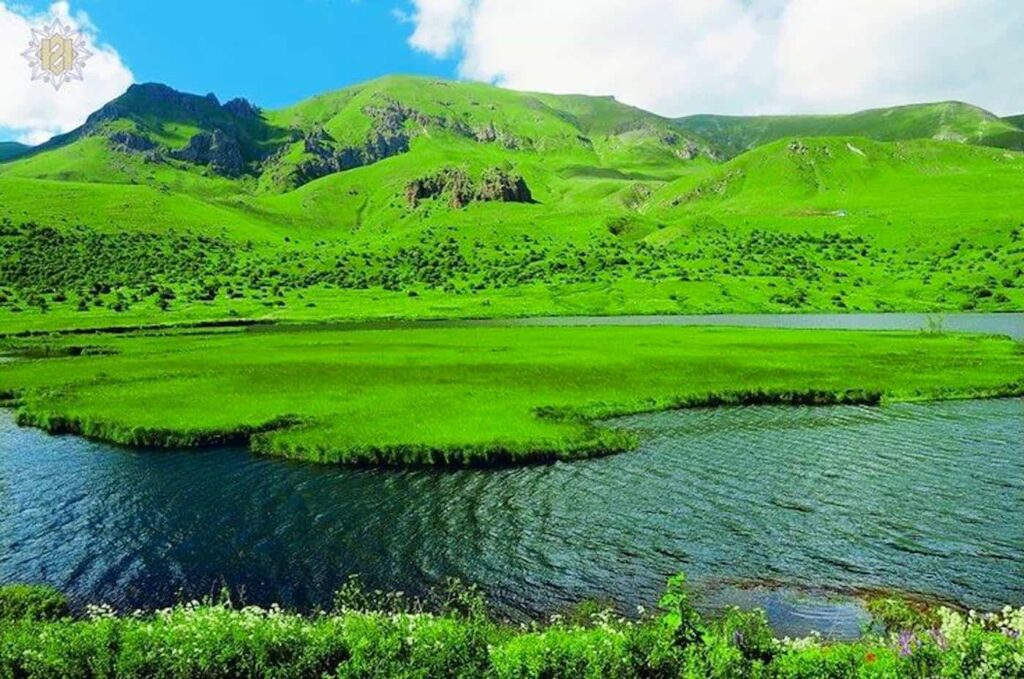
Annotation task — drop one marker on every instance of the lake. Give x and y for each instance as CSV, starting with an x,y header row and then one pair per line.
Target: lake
x,y
793,509
1010,324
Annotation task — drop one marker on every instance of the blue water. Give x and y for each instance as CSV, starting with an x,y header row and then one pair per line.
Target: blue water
x,y
794,509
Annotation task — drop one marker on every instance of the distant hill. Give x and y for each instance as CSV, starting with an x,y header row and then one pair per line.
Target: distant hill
x,y
948,121
12,149
410,196
1017,121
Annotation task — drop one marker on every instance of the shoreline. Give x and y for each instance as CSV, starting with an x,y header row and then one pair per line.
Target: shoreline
x,y
555,320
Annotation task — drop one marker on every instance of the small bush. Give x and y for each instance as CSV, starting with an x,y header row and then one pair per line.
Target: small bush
x,y
32,602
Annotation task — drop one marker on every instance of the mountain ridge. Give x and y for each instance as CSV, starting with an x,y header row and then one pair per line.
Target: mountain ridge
x,y
12,149
946,120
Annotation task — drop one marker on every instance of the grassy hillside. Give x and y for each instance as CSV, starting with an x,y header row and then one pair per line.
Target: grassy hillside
x,y
417,197
1017,121
12,149
950,121
467,395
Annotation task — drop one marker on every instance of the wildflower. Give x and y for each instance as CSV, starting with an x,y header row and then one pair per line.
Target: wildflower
x,y
939,638
870,657
906,636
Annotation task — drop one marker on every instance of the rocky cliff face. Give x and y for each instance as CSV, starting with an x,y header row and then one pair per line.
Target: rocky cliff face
x,y
217,150
460,189
389,136
242,109
228,143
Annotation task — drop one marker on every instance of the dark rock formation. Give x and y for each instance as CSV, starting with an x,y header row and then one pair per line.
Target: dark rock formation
x,y
388,137
327,157
688,151
455,183
127,141
498,185
218,150
242,108
489,133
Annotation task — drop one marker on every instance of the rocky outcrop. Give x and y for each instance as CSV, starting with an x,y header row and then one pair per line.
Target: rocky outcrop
x,y
127,141
489,134
388,137
217,150
242,109
154,95
393,127
455,183
797,147
688,151
497,185
325,156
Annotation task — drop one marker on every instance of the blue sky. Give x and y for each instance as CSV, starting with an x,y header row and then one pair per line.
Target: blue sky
x,y
274,53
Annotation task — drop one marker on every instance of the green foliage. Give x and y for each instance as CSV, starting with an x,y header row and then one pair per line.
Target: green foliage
x,y
896,614
217,639
31,602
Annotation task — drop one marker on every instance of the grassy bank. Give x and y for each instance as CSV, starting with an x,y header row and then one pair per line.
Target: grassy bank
x,y
468,395
386,636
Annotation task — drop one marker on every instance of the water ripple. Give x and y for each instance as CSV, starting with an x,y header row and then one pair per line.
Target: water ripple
x,y
919,497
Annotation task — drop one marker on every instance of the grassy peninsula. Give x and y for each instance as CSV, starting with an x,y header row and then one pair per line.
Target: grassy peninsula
x,y
466,395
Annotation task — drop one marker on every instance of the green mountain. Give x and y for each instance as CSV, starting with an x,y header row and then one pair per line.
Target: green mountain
x,y
948,121
1016,121
418,197
12,149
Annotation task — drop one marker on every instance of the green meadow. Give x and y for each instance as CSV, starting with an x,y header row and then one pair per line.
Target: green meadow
x,y
466,395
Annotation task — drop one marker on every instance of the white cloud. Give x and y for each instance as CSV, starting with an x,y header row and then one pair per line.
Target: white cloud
x,y
738,56
33,109
439,24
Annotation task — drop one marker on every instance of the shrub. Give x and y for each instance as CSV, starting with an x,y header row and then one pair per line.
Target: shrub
x,y
32,602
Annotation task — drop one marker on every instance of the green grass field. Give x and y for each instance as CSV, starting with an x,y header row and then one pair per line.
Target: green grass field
x,y
466,395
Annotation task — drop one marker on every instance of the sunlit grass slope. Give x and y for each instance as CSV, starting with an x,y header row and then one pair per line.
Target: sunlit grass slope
x,y
471,395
